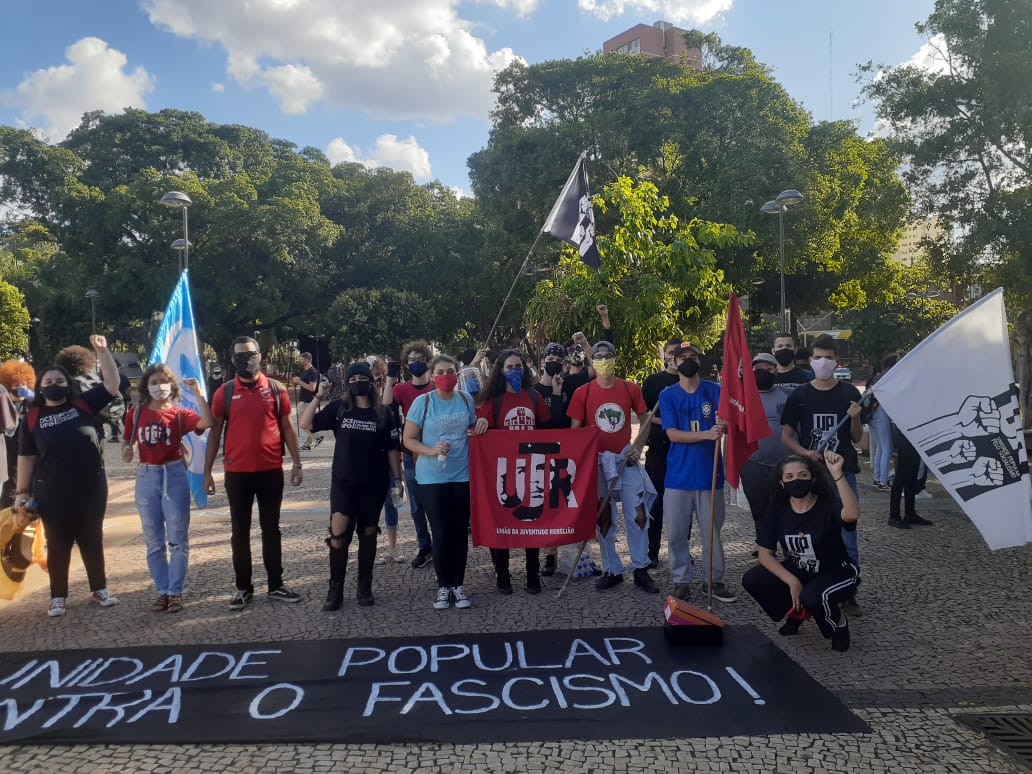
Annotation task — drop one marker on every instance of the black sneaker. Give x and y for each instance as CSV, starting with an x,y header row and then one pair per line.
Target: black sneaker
x,y
304,447
504,585
644,582
334,596
423,558
721,592
919,521
241,599
533,584
852,608
364,593
549,568
653,564
682,591
898,523
840,639
607,580
318,440
283,594
790,627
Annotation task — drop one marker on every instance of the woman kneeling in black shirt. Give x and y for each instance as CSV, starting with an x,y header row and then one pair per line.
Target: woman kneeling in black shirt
x,y
816,576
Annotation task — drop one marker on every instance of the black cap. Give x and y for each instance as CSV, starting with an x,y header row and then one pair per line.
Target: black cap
x,y
553,350
360,368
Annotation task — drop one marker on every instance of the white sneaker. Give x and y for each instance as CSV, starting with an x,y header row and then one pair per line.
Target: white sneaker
x,y
381,559
461,600
57,607
443,599
924,494
398,558
104,599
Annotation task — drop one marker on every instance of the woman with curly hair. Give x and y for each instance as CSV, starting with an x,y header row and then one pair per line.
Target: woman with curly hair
x,y
157,426
511,403
807,519
61,467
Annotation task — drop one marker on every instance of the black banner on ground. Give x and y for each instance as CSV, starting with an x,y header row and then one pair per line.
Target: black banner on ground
x,y
526,686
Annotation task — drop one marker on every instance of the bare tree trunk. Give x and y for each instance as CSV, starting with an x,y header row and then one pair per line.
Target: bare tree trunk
x,y
1022,354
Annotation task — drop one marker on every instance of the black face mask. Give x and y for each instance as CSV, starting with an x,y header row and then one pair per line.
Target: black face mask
x,y
764,380
688,369
246,363
55,392
785,356
799,487
360,389
552,368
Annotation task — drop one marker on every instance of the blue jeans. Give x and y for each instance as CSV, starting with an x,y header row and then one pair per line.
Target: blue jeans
x,y
390,510
163,500
415,506
637,537
881,430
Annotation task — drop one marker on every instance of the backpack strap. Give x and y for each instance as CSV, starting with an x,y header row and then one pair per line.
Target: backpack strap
x,y
137,410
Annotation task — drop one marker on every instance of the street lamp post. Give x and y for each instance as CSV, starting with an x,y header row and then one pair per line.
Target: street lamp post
x,y
779,207
92,296
182,247
177,200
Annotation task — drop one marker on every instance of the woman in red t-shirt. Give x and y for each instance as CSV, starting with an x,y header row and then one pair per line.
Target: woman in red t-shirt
x,y
158,425
510,402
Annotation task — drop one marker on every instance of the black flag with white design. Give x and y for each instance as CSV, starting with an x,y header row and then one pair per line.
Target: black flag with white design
x,y
572,218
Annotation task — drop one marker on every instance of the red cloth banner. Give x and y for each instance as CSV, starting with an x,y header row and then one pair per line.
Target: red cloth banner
x,y
740,402
533,489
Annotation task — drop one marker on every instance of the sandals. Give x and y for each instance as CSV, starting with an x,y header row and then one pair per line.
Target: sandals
x,y
168,603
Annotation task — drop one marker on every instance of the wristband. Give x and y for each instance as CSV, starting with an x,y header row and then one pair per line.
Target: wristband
x,y
836,480
296,466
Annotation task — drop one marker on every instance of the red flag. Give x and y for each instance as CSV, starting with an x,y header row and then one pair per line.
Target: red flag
x,y
740,402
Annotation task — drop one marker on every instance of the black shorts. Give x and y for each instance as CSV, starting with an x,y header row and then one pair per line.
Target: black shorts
x,y
361,504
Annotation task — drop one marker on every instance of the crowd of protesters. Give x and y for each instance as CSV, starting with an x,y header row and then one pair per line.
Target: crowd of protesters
x,y
402,429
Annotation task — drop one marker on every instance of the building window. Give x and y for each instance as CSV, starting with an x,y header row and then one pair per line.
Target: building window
x,y
632,47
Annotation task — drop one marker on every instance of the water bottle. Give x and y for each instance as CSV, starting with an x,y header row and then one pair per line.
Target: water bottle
x,y
396,496
471,380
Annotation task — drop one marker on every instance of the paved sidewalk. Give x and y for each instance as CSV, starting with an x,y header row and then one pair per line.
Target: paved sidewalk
x,y
946,629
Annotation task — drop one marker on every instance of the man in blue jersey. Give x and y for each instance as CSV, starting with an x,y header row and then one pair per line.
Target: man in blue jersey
x,y
689,413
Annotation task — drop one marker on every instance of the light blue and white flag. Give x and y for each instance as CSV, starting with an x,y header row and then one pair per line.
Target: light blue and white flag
x,y
176,347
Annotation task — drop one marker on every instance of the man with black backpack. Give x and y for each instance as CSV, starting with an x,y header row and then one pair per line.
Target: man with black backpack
x,y
255,411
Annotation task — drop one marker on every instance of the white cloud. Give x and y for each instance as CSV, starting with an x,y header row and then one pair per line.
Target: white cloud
x,y
95,78
407,59
388,151
521,7
676,11
218,88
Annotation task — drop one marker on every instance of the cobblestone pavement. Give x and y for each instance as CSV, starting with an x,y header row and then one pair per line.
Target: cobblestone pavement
x,y
946,629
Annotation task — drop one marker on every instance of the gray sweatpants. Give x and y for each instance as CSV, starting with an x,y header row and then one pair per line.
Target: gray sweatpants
x,y
679,506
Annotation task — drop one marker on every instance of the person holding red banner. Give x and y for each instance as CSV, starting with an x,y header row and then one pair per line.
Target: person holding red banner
x,y
437,427
607,403
689,412
510,402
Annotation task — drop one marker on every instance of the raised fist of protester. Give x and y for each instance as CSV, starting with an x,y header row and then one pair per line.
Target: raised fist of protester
x,y
557,384
324,390
191,384
834,461
99,342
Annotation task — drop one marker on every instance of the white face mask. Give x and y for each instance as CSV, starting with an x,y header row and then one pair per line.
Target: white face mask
x,y
823,368
160,391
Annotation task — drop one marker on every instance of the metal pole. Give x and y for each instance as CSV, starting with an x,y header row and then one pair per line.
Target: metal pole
x,y
93,314
186,243
781,241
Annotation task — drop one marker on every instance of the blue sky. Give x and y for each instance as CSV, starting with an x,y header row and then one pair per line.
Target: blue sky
x,y
399,83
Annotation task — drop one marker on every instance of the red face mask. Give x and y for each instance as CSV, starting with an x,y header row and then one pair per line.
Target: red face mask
x,y
446,382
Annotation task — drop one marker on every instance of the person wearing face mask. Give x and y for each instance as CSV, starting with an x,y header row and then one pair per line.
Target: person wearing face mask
x,y
607,403
385,376
255,412
659,444
415,355
307,382
787,374
756,471
553,389
689,411
437,427
511,403
20,379
808,520
366,456
61,467
157,427
812,411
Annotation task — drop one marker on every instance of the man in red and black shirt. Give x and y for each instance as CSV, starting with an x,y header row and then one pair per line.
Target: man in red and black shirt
x,y
257,427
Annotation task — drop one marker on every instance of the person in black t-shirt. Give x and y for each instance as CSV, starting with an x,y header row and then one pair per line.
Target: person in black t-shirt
x,y
367,452
787,374
807,520
659,444
307,382
61,467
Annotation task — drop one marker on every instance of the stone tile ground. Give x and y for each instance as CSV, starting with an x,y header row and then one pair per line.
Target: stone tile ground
x,y
946,629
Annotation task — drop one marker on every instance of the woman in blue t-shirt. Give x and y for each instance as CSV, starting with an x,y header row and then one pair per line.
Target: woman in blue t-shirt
x,y
436,428
61,467
807,519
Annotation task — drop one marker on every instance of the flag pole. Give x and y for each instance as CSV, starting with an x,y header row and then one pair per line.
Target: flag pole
x,y
712,517
643,433
512,287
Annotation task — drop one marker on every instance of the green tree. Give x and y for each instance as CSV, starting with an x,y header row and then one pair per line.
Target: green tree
x,y
377,321
14,322
659,277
